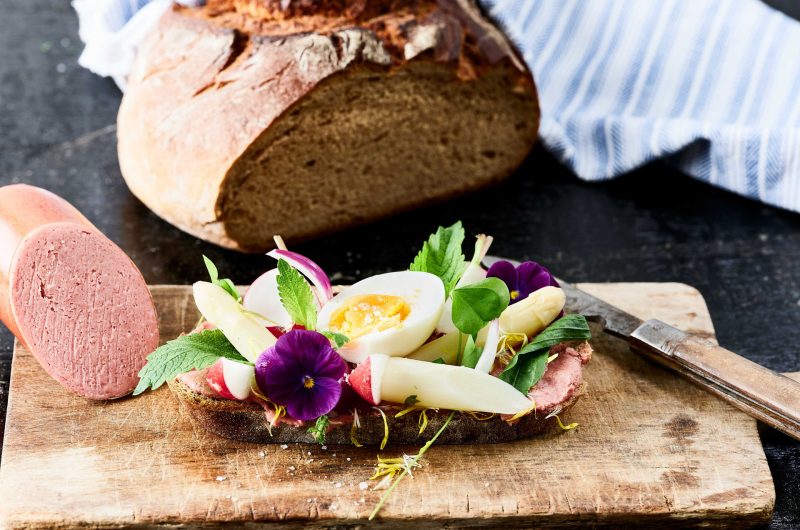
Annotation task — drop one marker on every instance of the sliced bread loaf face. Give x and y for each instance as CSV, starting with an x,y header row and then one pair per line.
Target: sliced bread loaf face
x,y
238,124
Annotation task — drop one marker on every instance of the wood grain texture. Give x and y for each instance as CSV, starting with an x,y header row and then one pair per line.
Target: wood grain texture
x,y
652,449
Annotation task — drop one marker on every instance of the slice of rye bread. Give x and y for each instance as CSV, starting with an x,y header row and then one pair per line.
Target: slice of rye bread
x,y
558,390
244,119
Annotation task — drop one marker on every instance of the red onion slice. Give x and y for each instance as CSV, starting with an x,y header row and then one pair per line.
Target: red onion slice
x,y
309,269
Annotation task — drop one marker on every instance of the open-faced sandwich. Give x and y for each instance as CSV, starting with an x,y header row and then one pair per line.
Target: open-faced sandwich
x,y
489,354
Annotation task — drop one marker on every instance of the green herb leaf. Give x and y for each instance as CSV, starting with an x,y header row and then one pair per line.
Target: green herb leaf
x,y
528,365
411,400
296,296
338,339
320,429
225,283
471,353
440,360
527,371
441,255
477,304
189,352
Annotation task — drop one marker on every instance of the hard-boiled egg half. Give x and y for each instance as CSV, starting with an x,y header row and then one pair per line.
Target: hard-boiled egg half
x,y
392,314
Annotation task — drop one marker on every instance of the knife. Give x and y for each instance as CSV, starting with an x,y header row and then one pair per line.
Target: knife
x,y
765,395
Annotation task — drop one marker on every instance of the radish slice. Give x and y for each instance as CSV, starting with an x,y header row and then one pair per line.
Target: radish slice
x,y
489,352
309,269
239,378
378,364
262,298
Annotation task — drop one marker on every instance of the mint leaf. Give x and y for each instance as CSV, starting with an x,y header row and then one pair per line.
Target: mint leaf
x,y
338,339
296,296
527,367
320,429
225,283
441,255
189,352
471,353
477,304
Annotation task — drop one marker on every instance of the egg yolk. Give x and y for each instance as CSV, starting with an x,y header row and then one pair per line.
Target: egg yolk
x,y
368,313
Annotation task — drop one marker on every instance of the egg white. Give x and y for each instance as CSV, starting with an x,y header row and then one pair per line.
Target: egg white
x,y
424,294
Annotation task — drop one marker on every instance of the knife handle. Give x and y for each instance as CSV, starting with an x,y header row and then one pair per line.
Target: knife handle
x,y
763,394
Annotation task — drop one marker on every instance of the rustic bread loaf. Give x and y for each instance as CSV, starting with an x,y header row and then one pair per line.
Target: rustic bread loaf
x,y
559,389
247,118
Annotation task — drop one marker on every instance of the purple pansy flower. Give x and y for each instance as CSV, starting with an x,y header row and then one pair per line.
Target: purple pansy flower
x,y
522,280
301,372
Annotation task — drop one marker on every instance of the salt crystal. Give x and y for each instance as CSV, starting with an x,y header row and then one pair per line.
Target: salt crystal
x,y
220,478
363,485
348,458
262,454
309,453
324,447
292,468
337,485
284,446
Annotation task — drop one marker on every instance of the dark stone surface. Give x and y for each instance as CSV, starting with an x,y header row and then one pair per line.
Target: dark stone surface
x,y
57,131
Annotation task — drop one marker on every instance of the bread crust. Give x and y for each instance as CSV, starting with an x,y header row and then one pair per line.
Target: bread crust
x,y
555,393
211,83
247,422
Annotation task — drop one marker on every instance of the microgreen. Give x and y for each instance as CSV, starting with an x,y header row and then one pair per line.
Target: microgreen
x,y
477,304
225,283
440,360
296,296
392,466
338,339
385,439
320,429
442,256
471,353
355,426
528,365
189,352
411,400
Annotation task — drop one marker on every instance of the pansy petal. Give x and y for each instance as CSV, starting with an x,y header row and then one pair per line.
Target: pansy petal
x,y
532,277
311,403
299,357
505,271
330,365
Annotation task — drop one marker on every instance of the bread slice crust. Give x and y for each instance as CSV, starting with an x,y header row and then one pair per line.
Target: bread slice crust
x,y
248,421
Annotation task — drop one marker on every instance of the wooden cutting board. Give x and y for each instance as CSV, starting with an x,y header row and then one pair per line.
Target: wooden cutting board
x,y
651,450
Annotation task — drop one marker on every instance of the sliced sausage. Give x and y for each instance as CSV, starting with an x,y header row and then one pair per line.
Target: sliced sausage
x,y
73,297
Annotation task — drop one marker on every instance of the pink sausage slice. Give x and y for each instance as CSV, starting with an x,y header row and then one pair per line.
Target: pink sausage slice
x,y
73,297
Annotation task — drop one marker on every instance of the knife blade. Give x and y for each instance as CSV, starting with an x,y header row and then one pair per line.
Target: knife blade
x,y
763,394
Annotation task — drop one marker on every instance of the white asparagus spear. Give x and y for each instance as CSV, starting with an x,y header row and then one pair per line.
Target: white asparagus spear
x,y
529,316
486,360
441,386
244,331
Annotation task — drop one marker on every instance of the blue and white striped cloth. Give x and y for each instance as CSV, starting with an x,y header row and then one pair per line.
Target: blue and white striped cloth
x,y
712,85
